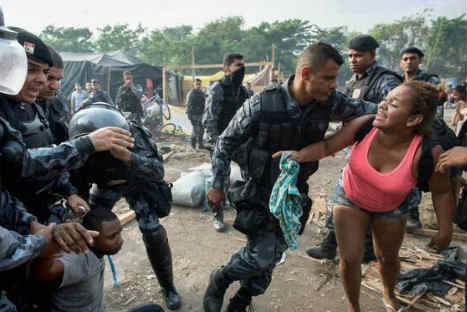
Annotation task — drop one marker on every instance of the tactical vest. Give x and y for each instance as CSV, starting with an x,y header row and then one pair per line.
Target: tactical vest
x,y
359,89
279,130
425,76
36,133
197,102
233,99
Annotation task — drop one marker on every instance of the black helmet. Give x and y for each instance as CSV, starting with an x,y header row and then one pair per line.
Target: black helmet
x,y
102,167
95,116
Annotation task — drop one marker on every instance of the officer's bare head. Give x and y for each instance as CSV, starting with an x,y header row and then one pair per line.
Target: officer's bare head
x,y
54,77
233,62
316,72
197,84
362,53
127,77
411,58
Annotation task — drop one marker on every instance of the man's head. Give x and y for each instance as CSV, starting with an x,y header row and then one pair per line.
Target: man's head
x,y
54,77
411,58
77,87
127,78
95,85
197,84
88,86
459,93
248,85
39,63
316,71
362,52
104,221
233,62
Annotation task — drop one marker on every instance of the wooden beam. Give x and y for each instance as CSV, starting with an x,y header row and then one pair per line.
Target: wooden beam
x,y
164,84
205,66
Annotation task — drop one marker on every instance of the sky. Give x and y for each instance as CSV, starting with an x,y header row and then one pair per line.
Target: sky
x,y
357,15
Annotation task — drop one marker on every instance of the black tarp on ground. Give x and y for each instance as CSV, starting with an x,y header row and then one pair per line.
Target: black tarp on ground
x,y
108,69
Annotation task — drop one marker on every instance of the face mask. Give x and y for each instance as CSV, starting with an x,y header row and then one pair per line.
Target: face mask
x,y
238,75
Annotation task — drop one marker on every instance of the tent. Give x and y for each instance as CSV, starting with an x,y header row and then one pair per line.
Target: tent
x,y
108,68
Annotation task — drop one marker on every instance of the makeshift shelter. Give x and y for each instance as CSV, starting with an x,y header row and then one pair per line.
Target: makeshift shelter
x,y
108,68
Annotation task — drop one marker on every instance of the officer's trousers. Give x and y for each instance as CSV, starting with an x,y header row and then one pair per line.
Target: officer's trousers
x,y
253,264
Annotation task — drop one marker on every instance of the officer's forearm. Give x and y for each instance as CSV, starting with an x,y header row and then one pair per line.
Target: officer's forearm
x,y
16,250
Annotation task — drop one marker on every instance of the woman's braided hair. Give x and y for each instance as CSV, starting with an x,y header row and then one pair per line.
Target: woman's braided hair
x,y
424,102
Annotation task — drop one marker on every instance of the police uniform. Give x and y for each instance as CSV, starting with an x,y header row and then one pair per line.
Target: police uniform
x,y
223,101
268,122
140,187
129,100
98,96
57,117
194,110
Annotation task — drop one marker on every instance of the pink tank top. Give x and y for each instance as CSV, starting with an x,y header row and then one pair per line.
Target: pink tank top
x,y
372,190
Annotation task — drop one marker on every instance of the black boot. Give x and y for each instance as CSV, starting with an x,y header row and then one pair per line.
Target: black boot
x,y
160,256
369,254
200,143
239,302
214,296
193,143
327,248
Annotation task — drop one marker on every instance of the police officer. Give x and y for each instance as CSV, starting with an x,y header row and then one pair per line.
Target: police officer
x,y
289,116
27,116
53,107
224,99
128,97
136,175
96,94
194,110
411,58
372,83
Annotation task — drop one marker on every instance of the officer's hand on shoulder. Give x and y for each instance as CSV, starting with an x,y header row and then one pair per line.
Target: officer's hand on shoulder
x,y
105,139
215,198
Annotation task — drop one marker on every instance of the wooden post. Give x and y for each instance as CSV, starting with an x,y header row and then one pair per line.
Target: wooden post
x,y
193,71
273,60
164,84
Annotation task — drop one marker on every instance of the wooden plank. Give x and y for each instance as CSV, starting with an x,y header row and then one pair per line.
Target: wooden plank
x,y
205,66
127,217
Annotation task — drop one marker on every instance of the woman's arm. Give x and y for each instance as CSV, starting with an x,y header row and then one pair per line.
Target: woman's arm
x,y
443,203
338,141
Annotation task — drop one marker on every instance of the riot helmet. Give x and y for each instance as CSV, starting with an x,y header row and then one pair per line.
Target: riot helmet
x,y
13,60
101,167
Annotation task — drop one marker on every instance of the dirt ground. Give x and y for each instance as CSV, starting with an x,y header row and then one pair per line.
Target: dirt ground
x,y
299,284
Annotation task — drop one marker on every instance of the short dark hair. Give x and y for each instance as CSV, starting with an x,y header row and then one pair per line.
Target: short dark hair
x,y
413,50
317,54
95,217
461,89
126,72
198,80
230,58
56,58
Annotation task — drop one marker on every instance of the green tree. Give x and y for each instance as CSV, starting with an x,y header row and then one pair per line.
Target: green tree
x,y
68,39
118,37
446,53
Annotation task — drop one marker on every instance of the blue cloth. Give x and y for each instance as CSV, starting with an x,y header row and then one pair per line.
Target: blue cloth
x,y
285,202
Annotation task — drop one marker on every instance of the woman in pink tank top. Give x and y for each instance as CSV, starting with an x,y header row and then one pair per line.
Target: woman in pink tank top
x,y
382,169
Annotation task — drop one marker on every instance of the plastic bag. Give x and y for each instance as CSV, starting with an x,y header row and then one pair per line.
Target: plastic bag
x,y
188,190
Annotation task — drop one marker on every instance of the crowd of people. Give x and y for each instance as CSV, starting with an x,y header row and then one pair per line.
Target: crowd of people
x,y
63,173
